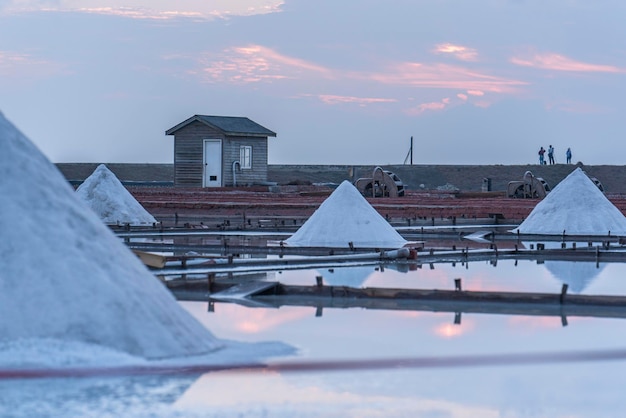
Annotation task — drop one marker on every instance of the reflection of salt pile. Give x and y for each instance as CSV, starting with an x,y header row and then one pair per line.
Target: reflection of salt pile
x,y
346,217
347,276
66,276
107,196
575,207
576,274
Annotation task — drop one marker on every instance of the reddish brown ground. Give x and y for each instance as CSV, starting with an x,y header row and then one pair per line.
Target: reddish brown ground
x,y
300,202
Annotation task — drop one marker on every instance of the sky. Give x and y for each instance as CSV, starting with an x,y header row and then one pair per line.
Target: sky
x,y
350,82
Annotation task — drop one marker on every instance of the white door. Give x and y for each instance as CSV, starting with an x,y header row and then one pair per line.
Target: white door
x,y
212,176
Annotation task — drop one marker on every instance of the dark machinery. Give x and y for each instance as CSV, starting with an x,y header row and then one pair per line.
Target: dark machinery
x,y
536,187
529,187
597,183
383,183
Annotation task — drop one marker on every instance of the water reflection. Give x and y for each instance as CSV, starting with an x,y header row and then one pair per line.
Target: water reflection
x,y
587,387
127,396
347,276
578,275
511,388
527,391
583,388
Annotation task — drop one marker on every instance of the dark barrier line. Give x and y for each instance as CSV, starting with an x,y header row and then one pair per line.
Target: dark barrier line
x,y
325,366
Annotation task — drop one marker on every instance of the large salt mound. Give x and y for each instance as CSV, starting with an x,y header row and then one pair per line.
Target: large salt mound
x,y
344,217
66,276
109,199
575,207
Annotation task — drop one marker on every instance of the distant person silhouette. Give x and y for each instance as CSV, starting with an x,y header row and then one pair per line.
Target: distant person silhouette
x,y
568,156
551,154
541,152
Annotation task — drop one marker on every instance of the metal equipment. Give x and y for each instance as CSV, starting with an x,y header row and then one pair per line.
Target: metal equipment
x,y
529,187
383,183
597,183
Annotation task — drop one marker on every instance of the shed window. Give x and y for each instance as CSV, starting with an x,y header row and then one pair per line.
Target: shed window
x,y
245,156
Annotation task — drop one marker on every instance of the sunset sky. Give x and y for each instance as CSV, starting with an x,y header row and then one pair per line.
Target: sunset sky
x,y
340,82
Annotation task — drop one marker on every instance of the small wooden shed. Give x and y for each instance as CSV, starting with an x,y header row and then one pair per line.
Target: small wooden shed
x,y
218,151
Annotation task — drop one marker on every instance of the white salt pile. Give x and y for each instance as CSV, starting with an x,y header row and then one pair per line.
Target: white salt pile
x,y
346,217
105,194
66,277
575,207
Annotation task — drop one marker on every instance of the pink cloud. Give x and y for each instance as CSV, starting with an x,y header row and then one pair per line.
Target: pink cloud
x,y
255,63
424,107
141,13
335,99
261,53
142,9
445,103
8,59
442,76
559,62
22,65
460,52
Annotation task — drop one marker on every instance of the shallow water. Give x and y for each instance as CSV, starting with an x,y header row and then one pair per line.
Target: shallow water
x,y
456,364
410,362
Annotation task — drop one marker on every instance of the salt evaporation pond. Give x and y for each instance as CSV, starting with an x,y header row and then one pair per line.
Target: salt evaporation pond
x,y
457,363
471,364
561,372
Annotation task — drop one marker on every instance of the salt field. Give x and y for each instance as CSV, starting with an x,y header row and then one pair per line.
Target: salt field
x,y
375,362
88,329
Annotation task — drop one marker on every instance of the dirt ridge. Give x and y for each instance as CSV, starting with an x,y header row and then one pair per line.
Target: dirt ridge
x,y
414,177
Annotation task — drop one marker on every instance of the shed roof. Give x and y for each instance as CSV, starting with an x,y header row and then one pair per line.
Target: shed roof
x,y
228,125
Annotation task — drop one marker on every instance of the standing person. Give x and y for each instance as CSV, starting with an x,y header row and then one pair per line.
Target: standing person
x,y
541,152
568,155
551,154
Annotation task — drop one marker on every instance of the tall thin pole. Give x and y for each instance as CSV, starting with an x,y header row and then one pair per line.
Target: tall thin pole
x,y
411,150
